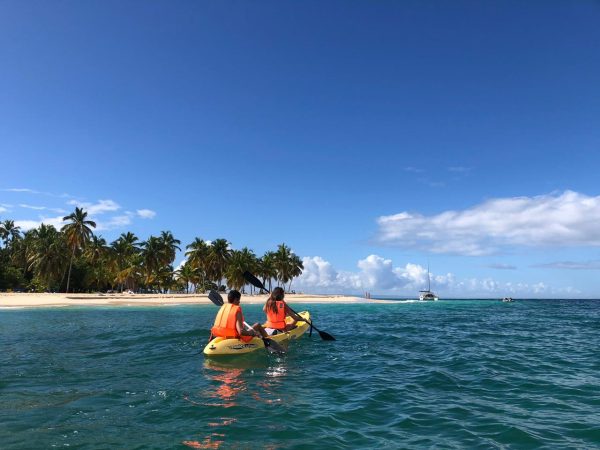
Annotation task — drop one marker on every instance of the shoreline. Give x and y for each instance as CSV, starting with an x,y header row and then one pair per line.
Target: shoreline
x,y
47,300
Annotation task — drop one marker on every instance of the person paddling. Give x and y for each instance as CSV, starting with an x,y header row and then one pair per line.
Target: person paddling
x,y
276,310
229,322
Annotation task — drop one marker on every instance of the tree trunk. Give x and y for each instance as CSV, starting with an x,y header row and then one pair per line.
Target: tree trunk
x,y
70,265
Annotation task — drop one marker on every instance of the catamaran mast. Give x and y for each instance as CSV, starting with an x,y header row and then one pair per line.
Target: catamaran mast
x,y
428,279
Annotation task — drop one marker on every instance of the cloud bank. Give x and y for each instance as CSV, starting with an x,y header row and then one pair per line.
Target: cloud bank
x,y
379,275
554,220
571,265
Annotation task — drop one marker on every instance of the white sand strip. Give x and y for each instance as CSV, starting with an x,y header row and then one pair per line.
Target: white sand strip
x,y
32,300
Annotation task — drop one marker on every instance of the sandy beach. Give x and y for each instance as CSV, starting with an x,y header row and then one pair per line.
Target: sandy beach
x,y
32,300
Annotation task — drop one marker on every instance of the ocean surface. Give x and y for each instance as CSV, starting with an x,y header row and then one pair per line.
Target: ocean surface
x,y
449,374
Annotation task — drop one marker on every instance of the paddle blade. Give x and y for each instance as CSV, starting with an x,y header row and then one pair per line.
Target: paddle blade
x,y
273,346
325,336
216,298
254,281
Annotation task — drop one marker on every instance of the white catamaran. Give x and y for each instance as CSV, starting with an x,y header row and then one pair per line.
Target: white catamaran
x,y
427,295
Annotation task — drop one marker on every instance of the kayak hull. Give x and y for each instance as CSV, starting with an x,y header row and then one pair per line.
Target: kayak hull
x,y
221,347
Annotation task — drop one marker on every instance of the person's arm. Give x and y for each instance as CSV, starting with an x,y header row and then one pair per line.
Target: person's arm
x,y
239,324
292,314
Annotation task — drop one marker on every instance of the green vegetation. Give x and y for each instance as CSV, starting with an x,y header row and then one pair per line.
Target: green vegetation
x,y
74,259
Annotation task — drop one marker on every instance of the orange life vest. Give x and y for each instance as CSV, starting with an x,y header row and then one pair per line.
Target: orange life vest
x,y
225,322
276,320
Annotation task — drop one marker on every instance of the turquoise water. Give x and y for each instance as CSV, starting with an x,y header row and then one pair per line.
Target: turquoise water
x,y
449,374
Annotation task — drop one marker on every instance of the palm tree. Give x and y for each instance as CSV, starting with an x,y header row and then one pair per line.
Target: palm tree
x,y
151,256
166,278
78,232
281,263
295,269
129,240
197,256
186,275
96,250
218,256
9,232
241,261
18,252
287,264
3,232
46,254
130,273
266,268
123,260
97,254
169,244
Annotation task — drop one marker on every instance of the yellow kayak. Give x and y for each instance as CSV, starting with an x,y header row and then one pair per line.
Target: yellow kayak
x,y
221,346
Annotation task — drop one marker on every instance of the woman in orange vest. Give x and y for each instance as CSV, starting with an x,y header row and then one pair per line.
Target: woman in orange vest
x,y
276,310
229,322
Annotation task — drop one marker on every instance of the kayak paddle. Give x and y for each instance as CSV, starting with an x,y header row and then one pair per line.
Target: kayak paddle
x,y
271,345
257,283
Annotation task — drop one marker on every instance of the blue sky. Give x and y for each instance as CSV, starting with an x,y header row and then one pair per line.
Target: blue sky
x,y
371,137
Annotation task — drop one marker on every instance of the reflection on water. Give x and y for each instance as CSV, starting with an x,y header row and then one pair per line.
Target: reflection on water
x,y
212,441
272,384
231,384
229,388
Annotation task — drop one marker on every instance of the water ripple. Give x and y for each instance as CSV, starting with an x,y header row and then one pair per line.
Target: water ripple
x,y
450,374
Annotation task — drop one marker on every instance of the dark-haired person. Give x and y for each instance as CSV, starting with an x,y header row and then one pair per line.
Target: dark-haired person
x,y
229,322
276,310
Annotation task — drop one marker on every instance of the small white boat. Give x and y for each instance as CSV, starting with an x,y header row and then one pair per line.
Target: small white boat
x,y
507,299
427,295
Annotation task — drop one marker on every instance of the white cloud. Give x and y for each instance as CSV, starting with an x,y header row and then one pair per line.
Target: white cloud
x,y
568,219
501,266
42,208
179,266
571,265
22,205
101,207
378,275
318,273
27,190
377,271
146,213
25,225
374,272
113,223
57,222
35,192
99,212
